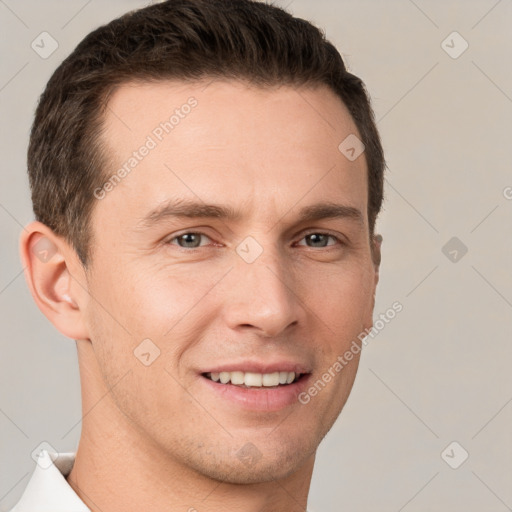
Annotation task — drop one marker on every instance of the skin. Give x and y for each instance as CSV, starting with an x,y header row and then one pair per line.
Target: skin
x,y
155,437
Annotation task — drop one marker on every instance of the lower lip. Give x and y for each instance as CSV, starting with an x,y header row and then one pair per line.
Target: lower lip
x,y
259,399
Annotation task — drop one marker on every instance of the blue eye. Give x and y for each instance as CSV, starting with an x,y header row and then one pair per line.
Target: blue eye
x,y
320,239
190,240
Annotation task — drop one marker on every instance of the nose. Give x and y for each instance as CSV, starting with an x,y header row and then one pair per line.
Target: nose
x,y
262,296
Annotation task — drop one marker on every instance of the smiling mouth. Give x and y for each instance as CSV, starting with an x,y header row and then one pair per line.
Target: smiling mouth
x,y
255,380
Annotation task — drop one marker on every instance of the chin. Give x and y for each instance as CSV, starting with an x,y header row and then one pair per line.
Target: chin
x,y
245,475
255,467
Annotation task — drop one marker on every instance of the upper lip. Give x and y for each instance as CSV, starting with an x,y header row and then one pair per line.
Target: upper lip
x,y
260,367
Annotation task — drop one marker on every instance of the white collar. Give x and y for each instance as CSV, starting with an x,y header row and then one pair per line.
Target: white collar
x,y
47,489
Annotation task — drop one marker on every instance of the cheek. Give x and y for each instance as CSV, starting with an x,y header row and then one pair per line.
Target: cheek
x,y
160,312
147,301
343,300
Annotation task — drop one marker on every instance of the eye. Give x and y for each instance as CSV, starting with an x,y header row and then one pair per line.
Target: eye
x,y
321,239
190,240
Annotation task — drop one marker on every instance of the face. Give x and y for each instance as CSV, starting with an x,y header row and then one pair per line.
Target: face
x,y
257,278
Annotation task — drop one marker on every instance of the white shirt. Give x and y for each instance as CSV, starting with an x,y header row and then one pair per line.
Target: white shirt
x,y
47,489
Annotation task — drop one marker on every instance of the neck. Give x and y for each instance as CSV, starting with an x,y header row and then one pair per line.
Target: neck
x,y
118,468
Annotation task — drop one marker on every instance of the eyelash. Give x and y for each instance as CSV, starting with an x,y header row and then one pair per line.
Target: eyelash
x,y
191,249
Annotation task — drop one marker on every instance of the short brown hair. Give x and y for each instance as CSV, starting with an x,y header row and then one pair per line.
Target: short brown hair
x,y
184,40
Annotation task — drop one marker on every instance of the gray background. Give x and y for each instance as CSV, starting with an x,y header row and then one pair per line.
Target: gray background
x,y
440,370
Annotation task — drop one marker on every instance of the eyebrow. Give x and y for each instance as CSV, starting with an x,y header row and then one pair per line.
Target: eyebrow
x,y
192,209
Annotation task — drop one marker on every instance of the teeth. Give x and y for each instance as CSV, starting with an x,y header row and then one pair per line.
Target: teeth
x,y
271,379
237,377
251,379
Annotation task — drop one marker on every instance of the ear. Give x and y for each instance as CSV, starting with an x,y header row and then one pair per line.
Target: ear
x,y
376,255
376,243
55,278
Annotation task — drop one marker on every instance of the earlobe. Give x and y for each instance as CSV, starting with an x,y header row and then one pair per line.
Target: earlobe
x,y
46,259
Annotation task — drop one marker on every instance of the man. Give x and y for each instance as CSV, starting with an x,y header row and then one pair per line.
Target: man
x,y
206,177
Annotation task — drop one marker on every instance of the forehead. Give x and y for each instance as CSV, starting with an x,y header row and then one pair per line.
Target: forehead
x,y
227,142
138,108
